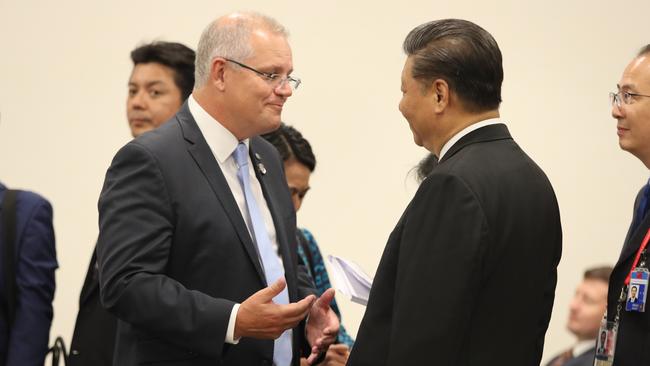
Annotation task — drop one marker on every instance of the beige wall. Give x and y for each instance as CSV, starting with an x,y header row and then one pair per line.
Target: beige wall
x,y
64,67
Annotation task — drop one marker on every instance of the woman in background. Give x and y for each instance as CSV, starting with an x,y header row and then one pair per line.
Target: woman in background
x,y
299,163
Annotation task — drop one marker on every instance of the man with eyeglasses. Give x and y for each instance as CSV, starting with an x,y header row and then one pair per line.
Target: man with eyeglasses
x,y
197,245
631,108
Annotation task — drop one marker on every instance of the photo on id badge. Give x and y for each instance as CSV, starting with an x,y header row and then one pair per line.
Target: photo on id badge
x,y
636,291
605,345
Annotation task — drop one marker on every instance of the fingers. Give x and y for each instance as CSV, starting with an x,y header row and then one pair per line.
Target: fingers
x,y
339,348
297,310
321,343
326,298
337,354
268,293
259,317
312,357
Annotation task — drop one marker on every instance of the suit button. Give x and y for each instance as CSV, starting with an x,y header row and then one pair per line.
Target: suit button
x,y
74,352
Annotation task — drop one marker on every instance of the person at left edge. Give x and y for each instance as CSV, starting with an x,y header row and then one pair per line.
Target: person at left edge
x,y
181,257
25,344
161,80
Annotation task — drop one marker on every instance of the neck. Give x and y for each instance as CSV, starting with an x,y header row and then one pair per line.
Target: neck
x,y
209,101
458,122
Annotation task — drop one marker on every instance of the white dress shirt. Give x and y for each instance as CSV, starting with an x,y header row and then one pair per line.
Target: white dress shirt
x,y
582,347
465,131
223,143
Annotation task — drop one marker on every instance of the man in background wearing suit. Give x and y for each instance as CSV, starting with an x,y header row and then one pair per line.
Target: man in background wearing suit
x,y
161,80
470,268
585,314
25,342
197,244
631,108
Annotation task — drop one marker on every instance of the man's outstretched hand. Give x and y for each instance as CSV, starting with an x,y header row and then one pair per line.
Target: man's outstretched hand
x,y
259,317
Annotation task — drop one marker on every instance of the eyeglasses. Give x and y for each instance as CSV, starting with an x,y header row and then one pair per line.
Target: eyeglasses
x,y
626,97
275,80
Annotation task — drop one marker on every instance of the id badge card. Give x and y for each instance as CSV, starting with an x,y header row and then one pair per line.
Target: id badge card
x,y
606,343
637,290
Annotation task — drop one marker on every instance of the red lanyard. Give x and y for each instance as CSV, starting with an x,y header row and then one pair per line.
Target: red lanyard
x,y
638,254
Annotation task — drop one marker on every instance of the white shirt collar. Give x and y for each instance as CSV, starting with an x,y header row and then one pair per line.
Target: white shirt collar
x,y
465,131
583,346
221,141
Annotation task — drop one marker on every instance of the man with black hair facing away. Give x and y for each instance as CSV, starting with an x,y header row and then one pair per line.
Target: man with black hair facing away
x,y
470,267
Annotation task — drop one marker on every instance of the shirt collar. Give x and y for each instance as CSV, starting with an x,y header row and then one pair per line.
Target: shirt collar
x,y
222,142
583,346
465,131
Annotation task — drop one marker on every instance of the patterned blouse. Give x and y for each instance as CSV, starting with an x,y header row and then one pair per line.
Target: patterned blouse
x,y
316,268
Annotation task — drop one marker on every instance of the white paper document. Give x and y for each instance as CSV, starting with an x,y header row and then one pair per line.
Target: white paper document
x,y
350,279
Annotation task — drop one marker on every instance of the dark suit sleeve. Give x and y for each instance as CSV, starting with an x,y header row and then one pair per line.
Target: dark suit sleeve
x,y
36,264
306,283
136,232
438,273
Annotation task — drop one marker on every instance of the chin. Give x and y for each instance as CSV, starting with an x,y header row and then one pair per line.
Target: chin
x,y
417,140
270,127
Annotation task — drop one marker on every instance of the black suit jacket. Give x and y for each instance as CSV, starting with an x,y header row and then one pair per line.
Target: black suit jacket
x,y
174,252
470,267
634,330
93,341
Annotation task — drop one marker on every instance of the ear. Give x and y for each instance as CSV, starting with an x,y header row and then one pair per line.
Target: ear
x,y
440,95
217,73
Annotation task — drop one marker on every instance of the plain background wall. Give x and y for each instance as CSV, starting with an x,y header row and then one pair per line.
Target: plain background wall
x,y
64,67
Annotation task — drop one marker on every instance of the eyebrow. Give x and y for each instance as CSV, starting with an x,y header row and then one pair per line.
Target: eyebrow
x,y
625,86
148,84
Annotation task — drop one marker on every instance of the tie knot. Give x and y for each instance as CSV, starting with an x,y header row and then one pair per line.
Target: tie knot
x,y
241,155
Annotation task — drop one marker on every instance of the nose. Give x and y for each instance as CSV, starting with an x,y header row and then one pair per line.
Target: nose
x,y
284,89
574,304
138,100
297,201
617,112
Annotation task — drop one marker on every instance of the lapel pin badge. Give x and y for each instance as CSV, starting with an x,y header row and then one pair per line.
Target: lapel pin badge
x,y
261,168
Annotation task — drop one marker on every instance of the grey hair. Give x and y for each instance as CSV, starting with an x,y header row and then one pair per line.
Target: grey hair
x,y
230,38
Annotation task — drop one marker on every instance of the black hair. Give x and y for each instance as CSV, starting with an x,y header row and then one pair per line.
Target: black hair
x,y
176,56
463,54
425,167
291,144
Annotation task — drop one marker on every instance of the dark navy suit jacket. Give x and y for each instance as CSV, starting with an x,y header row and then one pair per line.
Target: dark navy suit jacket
x,y
27,342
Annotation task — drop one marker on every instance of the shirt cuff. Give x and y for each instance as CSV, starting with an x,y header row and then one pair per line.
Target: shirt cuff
x,y
230,332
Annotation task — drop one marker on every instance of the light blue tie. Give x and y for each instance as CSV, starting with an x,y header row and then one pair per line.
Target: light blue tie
x,y
273,270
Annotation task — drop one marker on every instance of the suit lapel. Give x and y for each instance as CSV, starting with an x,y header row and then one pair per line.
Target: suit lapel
x,y
202,155
271,199
634,239
483,134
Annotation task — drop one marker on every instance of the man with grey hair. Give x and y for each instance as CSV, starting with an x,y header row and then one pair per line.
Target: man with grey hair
x,y
197,244
631,109
470,268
